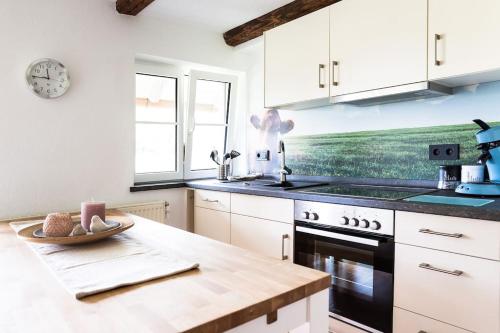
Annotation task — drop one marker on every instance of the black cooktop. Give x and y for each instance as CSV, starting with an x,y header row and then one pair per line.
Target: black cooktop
x,y
368,191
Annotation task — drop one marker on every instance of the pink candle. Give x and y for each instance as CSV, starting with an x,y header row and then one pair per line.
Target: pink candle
x,y
90,209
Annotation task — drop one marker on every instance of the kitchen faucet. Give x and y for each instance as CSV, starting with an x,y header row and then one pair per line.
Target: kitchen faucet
x,y
284,170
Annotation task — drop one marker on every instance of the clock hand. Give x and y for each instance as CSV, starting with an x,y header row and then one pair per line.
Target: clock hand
x,y
48,77
39,77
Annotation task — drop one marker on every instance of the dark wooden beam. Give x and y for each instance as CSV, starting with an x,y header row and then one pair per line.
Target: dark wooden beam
x,y
256,27
131,7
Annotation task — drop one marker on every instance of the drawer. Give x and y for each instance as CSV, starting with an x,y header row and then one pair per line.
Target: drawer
x,y
466,236
467,298
268,208
337,326
212,224
213,200
406,321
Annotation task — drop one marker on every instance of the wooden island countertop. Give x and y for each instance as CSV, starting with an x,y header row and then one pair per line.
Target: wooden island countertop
x,y
231,287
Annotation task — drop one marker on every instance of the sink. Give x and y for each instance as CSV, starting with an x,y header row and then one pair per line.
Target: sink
x,y
283,185
272,184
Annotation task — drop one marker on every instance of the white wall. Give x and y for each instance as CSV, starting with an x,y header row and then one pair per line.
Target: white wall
x,y
56,153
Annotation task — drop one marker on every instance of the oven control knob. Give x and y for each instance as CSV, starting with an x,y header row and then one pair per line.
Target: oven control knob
x,y
364,223
344,220
354,222
305,215
313,216
375,225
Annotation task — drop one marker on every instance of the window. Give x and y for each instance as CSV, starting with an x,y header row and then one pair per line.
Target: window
x,y
158,132
162,152
211,99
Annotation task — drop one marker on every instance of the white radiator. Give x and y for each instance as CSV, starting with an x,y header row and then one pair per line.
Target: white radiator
x,y
156,211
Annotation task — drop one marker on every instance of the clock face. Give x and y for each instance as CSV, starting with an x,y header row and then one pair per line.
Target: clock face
x,y
48,78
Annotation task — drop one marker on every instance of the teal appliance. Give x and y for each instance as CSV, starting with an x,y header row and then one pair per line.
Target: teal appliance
x,y
488,139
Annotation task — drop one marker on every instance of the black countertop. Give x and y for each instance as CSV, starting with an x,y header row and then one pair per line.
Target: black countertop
x,y
488,212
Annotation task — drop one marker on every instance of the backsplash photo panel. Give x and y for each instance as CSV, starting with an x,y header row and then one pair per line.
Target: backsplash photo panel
x,y
385,141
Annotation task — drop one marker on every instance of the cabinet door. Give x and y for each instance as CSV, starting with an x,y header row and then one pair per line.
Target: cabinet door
x,y
406,321
296,60
270,238
459,290
212,224
468,39
377,44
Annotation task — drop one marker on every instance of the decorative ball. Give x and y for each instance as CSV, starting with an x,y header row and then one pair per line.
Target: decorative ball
x,y
57,225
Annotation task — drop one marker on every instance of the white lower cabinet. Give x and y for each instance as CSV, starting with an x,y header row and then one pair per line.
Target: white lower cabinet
x,y
406,322
212,224
456,289
308,315
271,238
260,224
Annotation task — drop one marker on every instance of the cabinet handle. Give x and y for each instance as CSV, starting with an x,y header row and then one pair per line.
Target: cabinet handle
x,y
437,38
320,68
334,63
437,233
208,200
283,255
432,268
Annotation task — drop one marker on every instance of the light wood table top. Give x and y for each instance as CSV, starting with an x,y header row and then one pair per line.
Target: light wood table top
x,y
231,287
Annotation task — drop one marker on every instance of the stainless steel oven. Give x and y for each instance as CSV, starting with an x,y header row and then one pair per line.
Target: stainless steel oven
x,y
356,246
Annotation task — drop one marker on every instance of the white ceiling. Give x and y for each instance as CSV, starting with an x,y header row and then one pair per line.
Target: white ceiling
x,y
215,15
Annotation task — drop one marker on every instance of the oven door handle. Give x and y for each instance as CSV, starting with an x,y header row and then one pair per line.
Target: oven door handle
x,y
335,235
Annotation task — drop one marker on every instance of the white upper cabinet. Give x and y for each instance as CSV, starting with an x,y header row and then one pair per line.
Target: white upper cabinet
x,y
463,41
297,61
377,44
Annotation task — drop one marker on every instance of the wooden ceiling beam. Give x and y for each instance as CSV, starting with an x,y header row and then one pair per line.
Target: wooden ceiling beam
x,y
256,27
131,7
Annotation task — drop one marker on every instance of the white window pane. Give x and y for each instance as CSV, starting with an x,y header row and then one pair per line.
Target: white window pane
x,y
211,102
155,98
206,139
155,148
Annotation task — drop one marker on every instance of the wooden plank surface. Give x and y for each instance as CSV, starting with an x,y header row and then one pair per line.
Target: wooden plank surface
x,y
131,7
231,287
256,27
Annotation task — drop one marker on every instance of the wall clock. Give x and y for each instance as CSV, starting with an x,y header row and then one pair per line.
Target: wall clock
x,y
48,78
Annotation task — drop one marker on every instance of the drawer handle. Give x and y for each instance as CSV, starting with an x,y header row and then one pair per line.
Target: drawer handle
x,y
422,331
429,231
283,255
208,200
432,268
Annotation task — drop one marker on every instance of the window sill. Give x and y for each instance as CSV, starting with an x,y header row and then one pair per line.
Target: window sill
x,y
140,187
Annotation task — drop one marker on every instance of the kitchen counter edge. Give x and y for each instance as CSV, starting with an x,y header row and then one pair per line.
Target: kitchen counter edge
x,y
491,213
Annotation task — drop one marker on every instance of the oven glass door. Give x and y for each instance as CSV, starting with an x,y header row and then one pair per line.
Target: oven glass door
x,y
361,266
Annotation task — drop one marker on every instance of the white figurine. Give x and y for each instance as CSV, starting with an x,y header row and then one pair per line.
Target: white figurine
x,y
98,225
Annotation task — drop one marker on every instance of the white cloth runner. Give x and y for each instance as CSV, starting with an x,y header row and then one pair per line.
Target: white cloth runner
x,y
117,261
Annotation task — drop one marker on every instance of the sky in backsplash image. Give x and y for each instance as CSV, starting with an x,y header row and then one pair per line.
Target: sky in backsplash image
x,y
384,141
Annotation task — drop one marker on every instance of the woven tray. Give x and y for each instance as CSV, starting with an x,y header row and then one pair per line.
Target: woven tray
x,y
28,233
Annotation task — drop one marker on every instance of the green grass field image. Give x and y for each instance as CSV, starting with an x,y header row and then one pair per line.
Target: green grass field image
x,y
396,153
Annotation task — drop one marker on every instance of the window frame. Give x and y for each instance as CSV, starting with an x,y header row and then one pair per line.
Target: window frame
x,y
191,126
163,70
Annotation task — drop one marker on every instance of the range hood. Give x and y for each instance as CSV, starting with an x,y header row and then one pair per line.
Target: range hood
x,y
407,92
